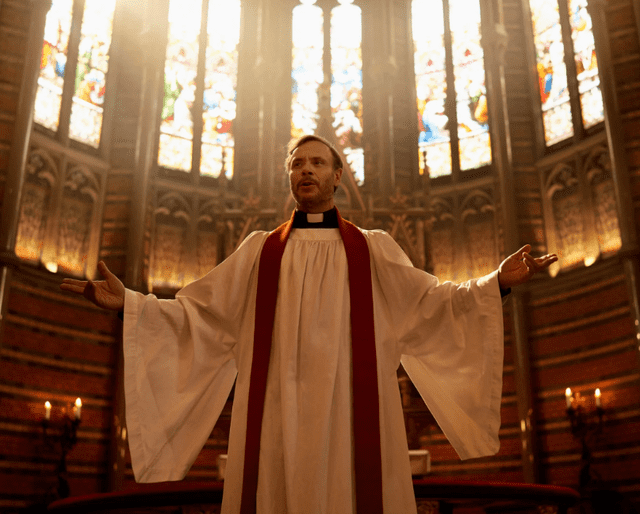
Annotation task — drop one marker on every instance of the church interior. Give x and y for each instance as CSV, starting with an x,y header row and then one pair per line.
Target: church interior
x,y
161,147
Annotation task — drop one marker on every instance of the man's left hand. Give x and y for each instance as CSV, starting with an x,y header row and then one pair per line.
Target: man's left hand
x,y
520,267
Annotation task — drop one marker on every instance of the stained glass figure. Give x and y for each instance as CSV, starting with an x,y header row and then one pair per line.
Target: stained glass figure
x,y
552,72
471,93
586,63
431,87
223,29
52,64
306,67
346,83
181,64
93,62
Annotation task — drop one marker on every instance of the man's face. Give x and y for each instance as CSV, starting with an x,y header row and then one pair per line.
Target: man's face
x,y
312,177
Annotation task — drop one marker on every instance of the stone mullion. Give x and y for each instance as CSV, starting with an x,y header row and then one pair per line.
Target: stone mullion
x,y
450,102
197,108
572,72
69,86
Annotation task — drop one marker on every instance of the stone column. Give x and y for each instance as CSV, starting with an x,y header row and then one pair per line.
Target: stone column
x,y
630,251
10,214
152,45
23,125
496,39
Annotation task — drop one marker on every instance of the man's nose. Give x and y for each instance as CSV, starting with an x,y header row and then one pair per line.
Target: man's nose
x,y
306,168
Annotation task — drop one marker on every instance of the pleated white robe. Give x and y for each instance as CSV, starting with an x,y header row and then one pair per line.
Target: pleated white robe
x,y
182,356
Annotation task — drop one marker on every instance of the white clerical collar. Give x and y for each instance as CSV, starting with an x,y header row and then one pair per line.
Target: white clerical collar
x,y
315,217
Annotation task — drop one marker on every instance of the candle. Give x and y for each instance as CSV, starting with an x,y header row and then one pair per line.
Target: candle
x,y
568,397
78,407
47,410
598,396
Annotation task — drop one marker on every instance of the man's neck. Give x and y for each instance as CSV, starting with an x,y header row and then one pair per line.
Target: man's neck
x,y
327,219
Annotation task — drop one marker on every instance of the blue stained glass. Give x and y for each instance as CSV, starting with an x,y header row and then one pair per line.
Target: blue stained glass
x,y
471,93
219,100
431,87
552,71
52,64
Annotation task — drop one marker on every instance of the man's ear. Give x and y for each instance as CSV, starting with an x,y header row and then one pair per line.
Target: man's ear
x,y
338,176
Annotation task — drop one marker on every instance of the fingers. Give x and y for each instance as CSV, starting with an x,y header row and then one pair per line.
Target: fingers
x,y
104,271
525,249
73,285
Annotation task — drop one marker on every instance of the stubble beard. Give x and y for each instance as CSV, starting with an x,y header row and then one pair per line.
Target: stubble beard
x,y
323,194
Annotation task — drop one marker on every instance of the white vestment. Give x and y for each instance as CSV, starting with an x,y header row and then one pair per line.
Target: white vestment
x,y
182,357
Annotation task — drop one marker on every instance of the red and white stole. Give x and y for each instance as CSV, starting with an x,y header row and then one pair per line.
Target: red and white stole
x,y
366,414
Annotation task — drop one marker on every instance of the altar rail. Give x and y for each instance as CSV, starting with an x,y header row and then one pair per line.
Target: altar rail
x,y
447,495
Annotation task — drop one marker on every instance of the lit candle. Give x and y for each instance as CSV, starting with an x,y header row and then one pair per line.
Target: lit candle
x,y
568,396
78,408
47,410
598,396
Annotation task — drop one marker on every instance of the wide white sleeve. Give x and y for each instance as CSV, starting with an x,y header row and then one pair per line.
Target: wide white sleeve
x,y
451,338
179,363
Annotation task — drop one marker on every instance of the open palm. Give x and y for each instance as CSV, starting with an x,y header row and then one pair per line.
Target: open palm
x,y
520,267
107,293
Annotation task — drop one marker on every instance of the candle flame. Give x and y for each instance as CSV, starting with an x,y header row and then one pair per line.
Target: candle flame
x,y
567,392
598,393
47,405
78,402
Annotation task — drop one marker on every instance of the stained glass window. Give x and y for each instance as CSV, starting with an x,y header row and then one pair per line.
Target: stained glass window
x,y
89,78
346,83
433,49
52,64
552,72
471,94
551,50
344,64
180,71
306,67
220,87
184,90
584,49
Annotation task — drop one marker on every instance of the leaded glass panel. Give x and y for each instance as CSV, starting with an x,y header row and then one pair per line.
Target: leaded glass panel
x,y
431,87
52,64
552,72
219,101
93,62
346,83
584,48
306,69
176,128
471,93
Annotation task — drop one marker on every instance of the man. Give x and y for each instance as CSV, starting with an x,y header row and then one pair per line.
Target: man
x,y
314,323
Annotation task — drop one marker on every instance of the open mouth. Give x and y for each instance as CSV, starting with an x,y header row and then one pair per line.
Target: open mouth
x,y
307,183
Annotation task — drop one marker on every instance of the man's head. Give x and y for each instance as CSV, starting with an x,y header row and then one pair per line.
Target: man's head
x,y
314,168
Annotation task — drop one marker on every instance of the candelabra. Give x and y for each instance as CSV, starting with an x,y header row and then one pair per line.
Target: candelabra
x,y
61,434
584,425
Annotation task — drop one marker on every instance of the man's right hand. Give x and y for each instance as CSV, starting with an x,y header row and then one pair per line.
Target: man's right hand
x,y
107,293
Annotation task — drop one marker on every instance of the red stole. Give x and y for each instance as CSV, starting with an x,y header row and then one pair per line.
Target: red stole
x,y
366,414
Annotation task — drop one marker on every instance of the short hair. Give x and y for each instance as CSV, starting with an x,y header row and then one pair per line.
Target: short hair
x,y
295,143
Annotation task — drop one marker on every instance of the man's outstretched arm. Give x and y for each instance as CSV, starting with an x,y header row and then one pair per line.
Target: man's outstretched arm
x,y
107,293
521,266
